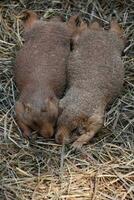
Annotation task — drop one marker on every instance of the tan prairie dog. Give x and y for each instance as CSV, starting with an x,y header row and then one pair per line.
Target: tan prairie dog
x,y
40,74
95,77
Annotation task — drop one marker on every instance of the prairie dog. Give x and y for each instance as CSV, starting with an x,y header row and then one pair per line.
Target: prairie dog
x,y
40,74
95,77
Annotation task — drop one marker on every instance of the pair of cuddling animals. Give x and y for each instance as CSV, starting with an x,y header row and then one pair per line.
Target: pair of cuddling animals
x,y
93,71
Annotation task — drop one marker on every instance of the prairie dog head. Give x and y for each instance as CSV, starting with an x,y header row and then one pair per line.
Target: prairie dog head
x,y
41,117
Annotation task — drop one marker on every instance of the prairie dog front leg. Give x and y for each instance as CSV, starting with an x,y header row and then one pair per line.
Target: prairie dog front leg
x,y
93,124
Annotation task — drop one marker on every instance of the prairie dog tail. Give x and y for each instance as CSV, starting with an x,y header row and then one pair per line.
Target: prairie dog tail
x,y
30,17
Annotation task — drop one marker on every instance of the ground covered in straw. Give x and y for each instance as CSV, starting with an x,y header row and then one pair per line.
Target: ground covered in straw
x,y
40,170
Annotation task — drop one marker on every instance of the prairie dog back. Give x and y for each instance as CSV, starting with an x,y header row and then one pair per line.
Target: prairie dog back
x,y
95,63
95,77
44,56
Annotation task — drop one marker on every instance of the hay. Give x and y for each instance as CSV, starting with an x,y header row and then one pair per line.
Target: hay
x,y
42,170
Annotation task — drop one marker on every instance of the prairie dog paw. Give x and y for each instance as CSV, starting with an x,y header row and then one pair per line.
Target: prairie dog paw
x,y
83,139
77,145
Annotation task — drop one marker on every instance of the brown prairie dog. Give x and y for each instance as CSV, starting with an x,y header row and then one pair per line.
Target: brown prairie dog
x,y
95,77
40,74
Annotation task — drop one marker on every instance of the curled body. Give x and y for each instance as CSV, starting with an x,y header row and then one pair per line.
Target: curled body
x,y
95,77
40,74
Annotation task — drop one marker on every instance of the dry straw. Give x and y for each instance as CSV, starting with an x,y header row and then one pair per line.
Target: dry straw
x,y
41,170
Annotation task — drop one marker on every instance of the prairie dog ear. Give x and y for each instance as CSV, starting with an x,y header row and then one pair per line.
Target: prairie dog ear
x,y
30,17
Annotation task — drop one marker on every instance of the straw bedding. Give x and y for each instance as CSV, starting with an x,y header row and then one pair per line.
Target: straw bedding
x,y
42,170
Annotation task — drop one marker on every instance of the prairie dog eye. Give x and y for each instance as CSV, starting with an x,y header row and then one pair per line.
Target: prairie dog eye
x,y
28,108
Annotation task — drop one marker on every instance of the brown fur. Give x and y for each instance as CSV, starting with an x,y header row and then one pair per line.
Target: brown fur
x,y
76,31
40,74
95,77
30,18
